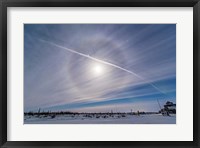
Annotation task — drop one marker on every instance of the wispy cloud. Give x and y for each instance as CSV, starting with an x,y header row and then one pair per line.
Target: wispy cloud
x,y
106,63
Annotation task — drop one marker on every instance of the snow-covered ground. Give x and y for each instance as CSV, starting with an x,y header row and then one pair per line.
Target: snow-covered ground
x,y
115,119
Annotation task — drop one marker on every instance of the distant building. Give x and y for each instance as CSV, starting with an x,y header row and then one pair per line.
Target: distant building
x,y
170,107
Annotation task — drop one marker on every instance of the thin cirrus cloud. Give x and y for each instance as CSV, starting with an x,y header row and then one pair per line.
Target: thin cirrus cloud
x,y
138,62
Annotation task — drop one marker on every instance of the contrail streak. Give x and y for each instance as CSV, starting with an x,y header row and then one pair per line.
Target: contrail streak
x,y
104,62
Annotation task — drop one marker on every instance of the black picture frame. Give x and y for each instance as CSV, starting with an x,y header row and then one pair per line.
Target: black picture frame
x,y
4,4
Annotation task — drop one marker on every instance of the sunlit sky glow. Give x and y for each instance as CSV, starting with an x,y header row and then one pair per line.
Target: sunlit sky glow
x,y
99,67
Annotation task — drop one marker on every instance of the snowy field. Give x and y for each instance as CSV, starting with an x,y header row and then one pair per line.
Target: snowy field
x,y
103,119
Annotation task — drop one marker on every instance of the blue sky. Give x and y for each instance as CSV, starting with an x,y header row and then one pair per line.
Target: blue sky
x,y
99,67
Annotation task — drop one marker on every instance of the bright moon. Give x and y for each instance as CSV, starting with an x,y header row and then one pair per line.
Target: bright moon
x,y
98,69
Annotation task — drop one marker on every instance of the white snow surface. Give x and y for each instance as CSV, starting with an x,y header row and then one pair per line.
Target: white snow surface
x,y
116,119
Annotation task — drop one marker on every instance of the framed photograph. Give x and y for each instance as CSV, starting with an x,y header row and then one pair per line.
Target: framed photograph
x,y
100,73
